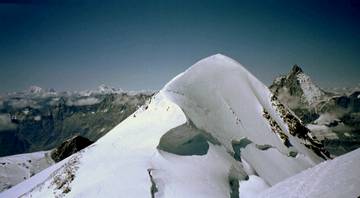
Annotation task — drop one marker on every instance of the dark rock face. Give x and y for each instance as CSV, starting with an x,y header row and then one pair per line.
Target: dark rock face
x,y
70,147
276,129
289,82
296,69
42,123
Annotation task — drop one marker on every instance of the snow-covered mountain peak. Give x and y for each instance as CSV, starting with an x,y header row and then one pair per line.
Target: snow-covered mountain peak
x,y
216,60
102,89
297,84
239,97
207,62
208,128
35,89
105,89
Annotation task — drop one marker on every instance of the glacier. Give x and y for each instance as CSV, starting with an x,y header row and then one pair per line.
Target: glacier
x,y
249,143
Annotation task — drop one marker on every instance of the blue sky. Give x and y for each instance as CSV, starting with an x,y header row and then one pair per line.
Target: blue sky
x,y
76,45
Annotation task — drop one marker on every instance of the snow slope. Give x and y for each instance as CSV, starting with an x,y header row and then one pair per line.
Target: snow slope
x,y
33,182
16,168
219,101
331,179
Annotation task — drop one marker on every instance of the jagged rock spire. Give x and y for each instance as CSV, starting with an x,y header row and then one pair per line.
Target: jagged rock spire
x,y
296,69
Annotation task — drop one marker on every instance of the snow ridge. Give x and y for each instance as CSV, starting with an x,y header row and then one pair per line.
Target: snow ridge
x,y
217,99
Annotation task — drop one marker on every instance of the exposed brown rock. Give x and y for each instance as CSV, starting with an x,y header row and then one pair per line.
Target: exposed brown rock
x,y
70,147
297,129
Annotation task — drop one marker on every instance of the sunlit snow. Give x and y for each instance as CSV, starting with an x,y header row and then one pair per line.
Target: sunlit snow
x,y
225,103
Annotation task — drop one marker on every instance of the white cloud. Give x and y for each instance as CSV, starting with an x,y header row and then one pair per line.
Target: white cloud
x,y
84,101
21,103
284,97
37,118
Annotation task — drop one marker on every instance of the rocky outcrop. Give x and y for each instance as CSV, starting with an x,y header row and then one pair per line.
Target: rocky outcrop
x,y
297,129
70,147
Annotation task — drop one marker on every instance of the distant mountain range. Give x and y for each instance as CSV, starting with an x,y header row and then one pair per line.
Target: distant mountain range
x,y
38,119
43,123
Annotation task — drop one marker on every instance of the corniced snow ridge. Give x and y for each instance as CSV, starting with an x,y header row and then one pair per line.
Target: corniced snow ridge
x,y
214,130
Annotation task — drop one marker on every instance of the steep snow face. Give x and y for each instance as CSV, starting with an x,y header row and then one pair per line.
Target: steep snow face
x,y
222,98
216,99
331,179
312,93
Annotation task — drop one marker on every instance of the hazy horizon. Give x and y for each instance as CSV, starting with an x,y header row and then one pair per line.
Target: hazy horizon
x,y
141,45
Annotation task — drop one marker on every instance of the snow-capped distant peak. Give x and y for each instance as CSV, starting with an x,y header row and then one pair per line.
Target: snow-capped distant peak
x,y
102,89
298,84
107,89
35,89
311,92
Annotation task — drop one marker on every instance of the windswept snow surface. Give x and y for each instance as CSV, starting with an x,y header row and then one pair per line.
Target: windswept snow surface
x,y
331,179
252,187
225,103
235,110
